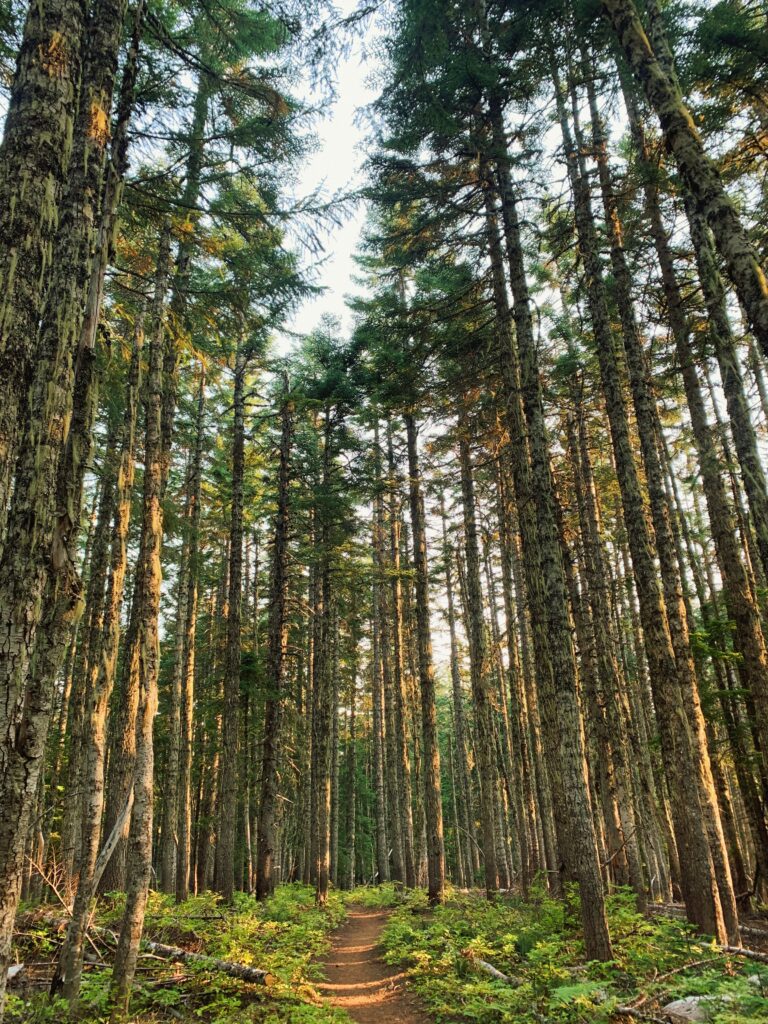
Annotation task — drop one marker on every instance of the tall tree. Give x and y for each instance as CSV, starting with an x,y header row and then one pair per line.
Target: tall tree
x,y
277,633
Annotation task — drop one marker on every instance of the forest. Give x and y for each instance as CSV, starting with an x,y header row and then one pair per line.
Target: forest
x,y
414,667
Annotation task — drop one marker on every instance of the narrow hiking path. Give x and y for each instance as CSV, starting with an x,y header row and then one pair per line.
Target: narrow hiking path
x,y
359,981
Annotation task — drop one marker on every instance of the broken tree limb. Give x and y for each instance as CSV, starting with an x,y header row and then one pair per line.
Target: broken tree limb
x,y
111,844
491,971
748,954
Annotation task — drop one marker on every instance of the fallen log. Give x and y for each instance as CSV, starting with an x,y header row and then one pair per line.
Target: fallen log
x,y
675,911
253,975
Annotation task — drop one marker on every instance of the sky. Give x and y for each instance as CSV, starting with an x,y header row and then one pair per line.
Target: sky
x,y
335,166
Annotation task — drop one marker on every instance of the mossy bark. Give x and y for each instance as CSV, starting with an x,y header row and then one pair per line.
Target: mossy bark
x,y
652,66
39,583
34,162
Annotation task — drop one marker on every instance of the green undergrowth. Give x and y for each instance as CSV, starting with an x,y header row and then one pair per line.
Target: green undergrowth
x,y
378,897
285,936
538,944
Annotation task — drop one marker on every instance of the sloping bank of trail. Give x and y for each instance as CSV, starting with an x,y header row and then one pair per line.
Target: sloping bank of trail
x,y
358,980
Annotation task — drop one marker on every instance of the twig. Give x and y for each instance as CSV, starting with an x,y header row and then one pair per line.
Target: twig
x,y
620,848
642,1000
629,1011
187,917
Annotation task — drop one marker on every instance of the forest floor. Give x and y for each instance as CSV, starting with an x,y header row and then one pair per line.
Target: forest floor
x,y
380,954
359,981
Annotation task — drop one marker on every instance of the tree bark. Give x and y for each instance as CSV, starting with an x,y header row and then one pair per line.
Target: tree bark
x,y
402,766
99,690
742,428
187,702
432,796
651,64
34,161
459,721
395,833
700,887
647,417
42,534
377,679
230,731
276,659
144,657
350,823
559,696
478,666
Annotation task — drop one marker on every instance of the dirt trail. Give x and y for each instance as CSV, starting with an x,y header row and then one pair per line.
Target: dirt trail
x,y
359,981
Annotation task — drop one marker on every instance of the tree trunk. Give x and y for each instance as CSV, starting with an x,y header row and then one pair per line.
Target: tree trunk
x,y
652,66
377,701
432,797
34,161
86,666
276,663
351,763
646,413
612,686
459,722
323,683
478,666
519,718
739,596
559,696
230,731
700,887
189,626
395,833
404,805
42,533
168,855
145,657
104,660
742,428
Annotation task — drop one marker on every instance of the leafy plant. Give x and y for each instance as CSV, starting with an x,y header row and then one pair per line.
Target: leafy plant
x,y
539,943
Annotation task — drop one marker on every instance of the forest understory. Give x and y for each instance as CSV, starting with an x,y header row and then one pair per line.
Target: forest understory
x,y
467,960
437,632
